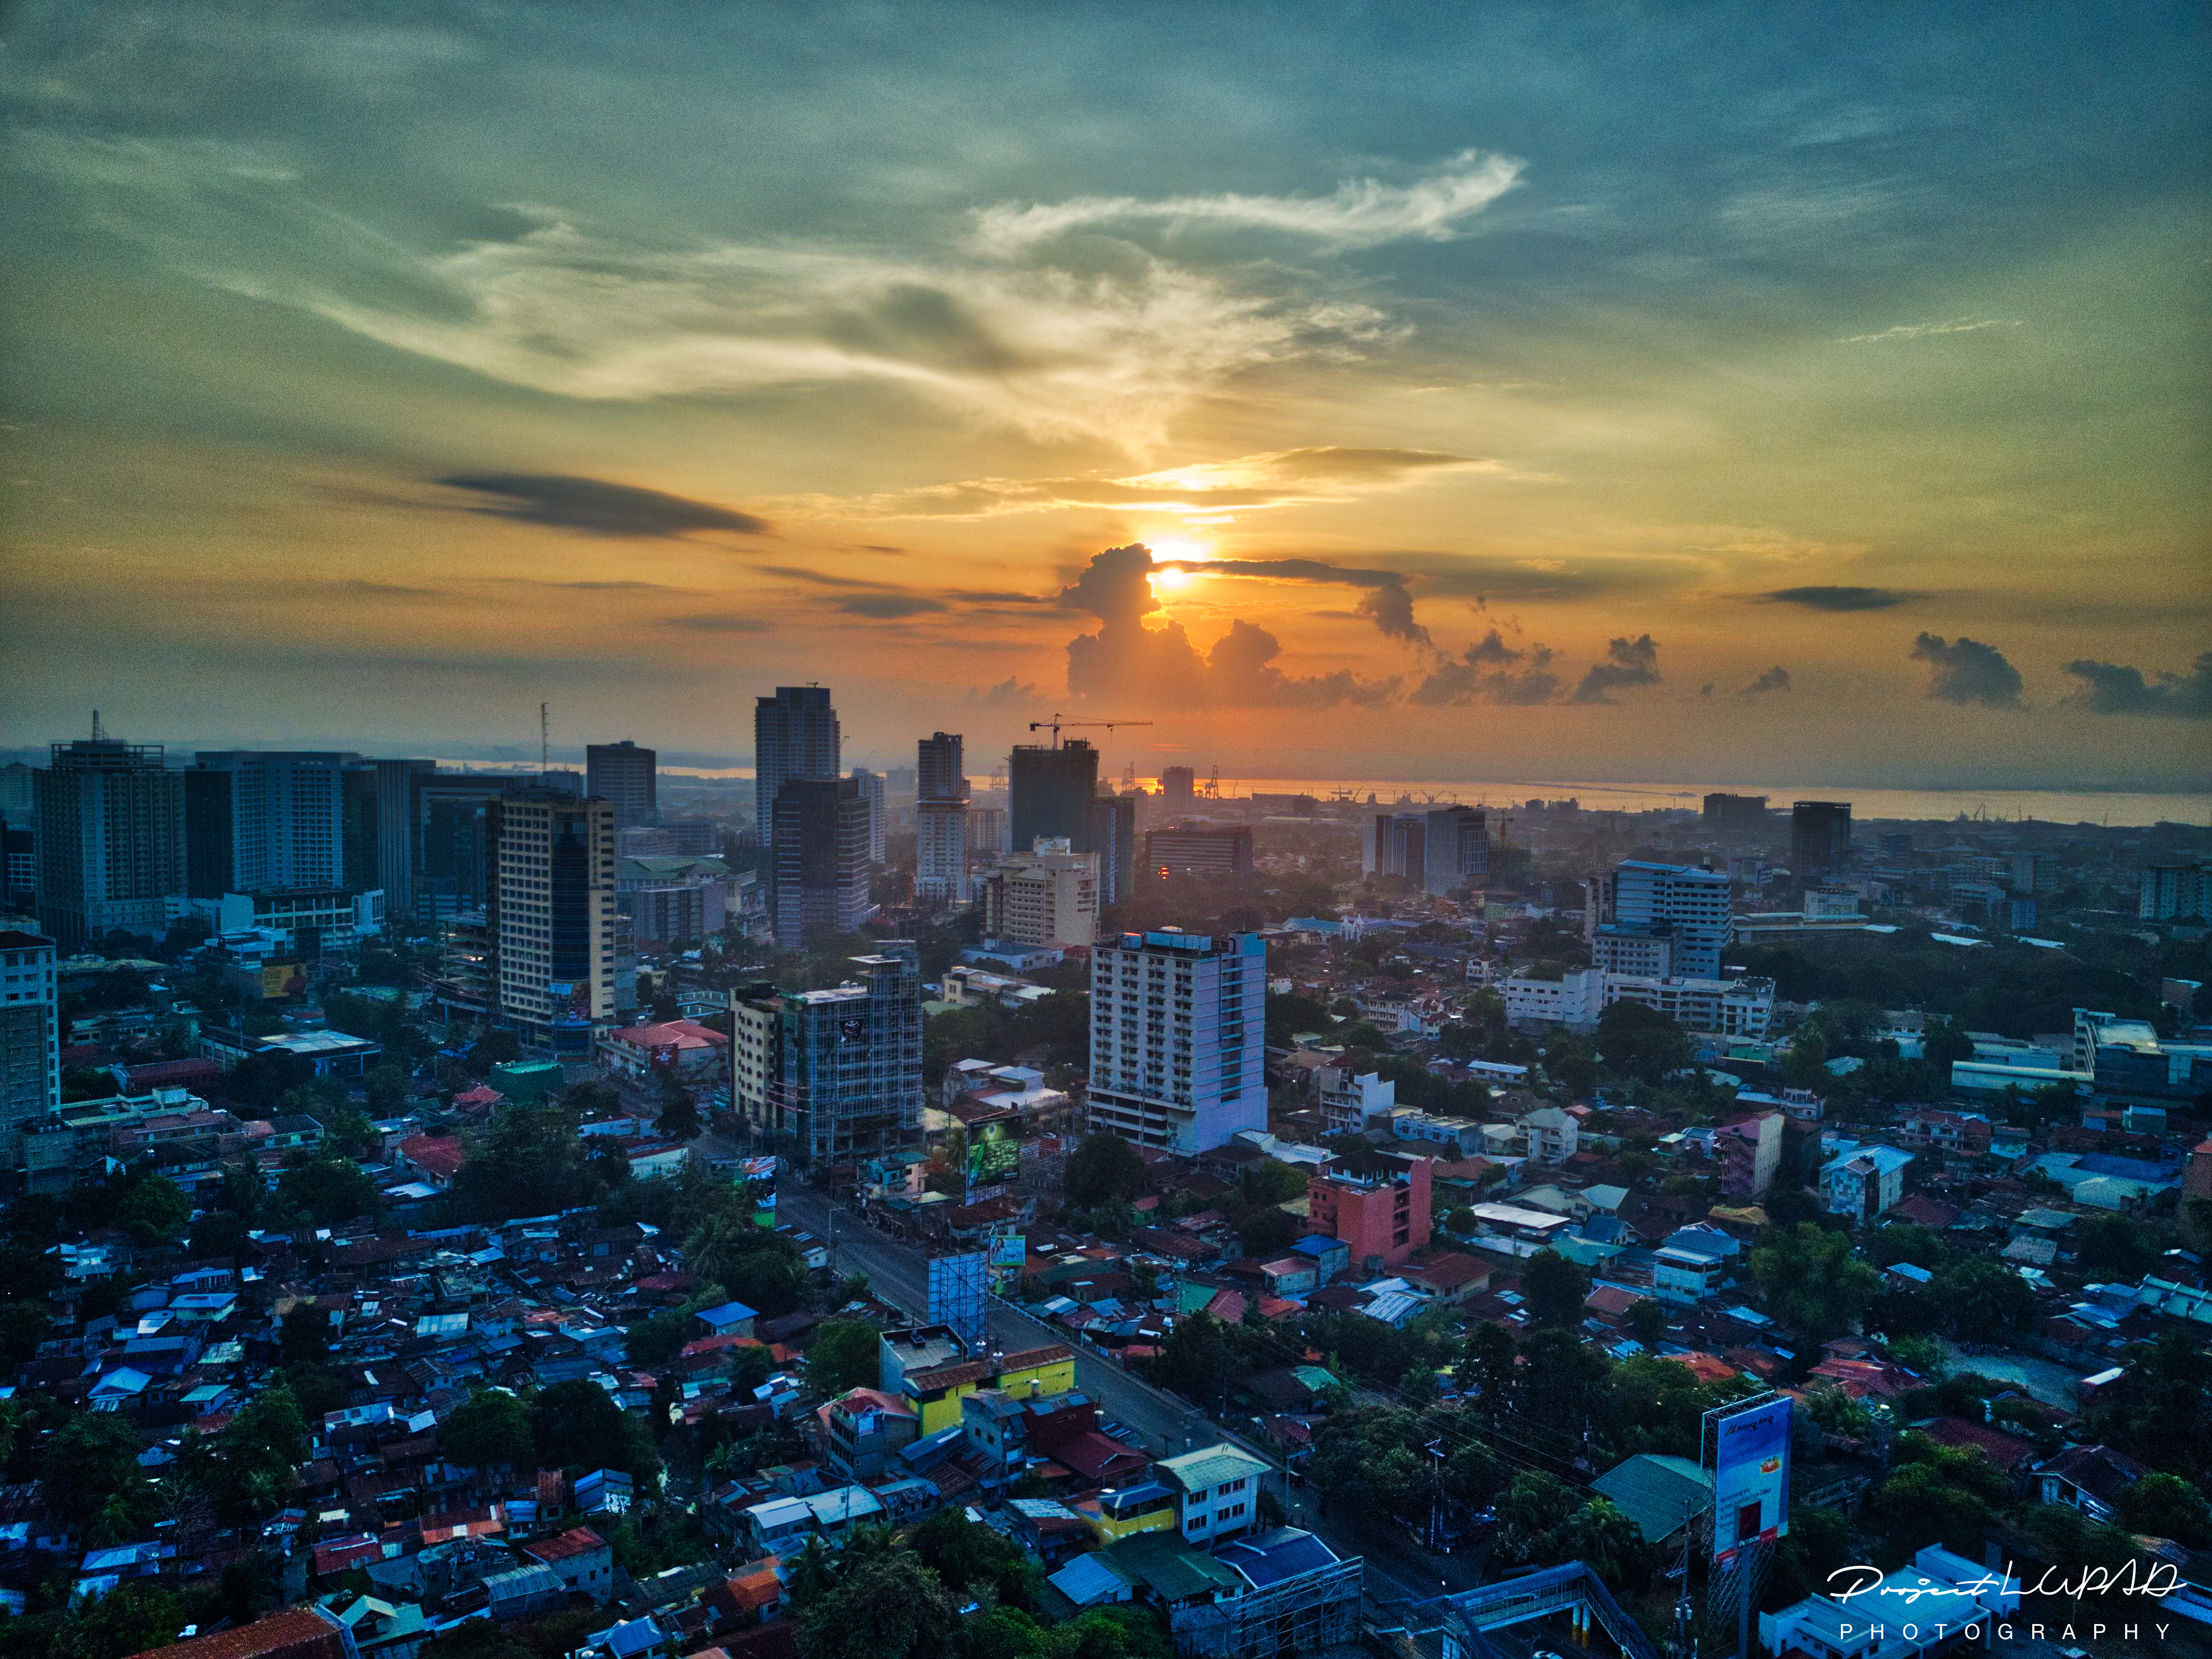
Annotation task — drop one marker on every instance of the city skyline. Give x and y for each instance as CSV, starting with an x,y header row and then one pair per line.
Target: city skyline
x,y
1419,395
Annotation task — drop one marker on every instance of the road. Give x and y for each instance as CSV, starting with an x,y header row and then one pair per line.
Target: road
x,y
1396,1570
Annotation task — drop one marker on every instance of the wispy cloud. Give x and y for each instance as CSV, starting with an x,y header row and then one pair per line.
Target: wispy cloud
x,y
593,507
1922,331
1359,213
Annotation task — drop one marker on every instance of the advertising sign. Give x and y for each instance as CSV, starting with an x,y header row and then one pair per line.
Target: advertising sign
x,y
994,1153
1751,1477
1008,1249
852,1030
281,979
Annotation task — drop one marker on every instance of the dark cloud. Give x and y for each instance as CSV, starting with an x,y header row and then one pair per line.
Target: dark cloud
x,y
1011,692
1291,570
1966,671
887,607
1632,662
1519,678
871,547
1391,609
1840,599
721,624
1125,659
380,590
997,598
2108,687
1774,679
596,508
798,572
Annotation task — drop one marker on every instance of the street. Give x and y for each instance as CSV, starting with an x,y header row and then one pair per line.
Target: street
x,y
1396,1570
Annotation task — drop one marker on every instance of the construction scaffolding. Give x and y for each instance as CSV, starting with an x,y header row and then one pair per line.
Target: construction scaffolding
x,y
959,1295
1307,1614
1461,1621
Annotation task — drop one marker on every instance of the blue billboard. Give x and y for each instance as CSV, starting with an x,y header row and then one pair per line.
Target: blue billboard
x,y
1751,1477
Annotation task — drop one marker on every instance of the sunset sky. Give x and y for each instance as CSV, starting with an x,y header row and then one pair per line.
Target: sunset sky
x,y
1786,393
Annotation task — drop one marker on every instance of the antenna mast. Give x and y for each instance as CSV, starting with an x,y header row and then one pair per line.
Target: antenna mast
x,y
544,743
98,731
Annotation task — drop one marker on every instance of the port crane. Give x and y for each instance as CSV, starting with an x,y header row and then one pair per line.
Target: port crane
x,y
1055,726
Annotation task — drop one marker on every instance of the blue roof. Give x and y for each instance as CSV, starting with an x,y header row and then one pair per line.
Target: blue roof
x,y
1268,1558
729,1314
2128,1169
1319,1244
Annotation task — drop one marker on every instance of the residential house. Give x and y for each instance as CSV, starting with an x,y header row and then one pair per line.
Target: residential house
x,y
1217,1490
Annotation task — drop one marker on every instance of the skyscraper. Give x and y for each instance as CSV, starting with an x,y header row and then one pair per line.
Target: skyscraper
x,y
451,845
1820,840
1640,904
1175,1048
1455,847
1177,785
1050,792
549,913
626,776
940,813
834,1076
1110,831
871,796
1736,814
30,1030
111,840
820,846
396,830
795,735
269,821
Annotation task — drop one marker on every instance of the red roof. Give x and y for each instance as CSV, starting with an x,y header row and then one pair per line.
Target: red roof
x,y
678,1034
2006,1450
441,1156
289,1633
565,1545
483,1095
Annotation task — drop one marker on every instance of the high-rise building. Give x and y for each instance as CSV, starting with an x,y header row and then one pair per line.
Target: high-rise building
x,y
940,813
269,821
2169,892
1110,833
30,1030
1175,1037
1198,849
1735,815
18,788
111,840
872,797
19,866
1442,848
1686,906
832,1077
450,854
1820,840
550,913
397,827
626,776
1048,897
1178,786
819,840
1394,844
795,735
1050,792
1374,1204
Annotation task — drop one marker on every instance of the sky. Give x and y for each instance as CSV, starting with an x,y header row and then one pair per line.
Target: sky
x,y
1603,391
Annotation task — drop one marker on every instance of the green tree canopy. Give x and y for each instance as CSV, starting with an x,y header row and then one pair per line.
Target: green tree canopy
x,y
1641,1043
888,1607
154,1211
328,1190
1555,1288
844,1354
1103,1169
1811,1282
491,1428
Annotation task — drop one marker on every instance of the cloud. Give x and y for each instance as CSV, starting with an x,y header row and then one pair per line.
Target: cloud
x,y
2109,688
1839,598
1125,660
1290,570
1922,331
1360,213
1520,678
1011,692
1633,662
1774,679
887,606
1966,671
711,624
1391,608
596,508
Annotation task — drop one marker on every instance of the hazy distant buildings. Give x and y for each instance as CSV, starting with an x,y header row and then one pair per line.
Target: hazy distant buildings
x,y
1442,849
872,797
1178,786
795,735
1735,815
1110,833
1820,840
626,777
819,843
549,914
988,832
1641,908
2170,892
111,840
1046,897
833,1077
1176,1038
940,814
1198,849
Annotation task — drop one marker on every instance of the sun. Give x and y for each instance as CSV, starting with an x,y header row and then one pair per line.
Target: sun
x,y
1166,577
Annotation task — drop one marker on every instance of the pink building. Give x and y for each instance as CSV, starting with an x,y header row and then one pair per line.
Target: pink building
x,y
1374,1204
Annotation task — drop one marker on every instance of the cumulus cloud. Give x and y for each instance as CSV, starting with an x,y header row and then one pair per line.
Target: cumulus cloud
x,y
1390,607
1011,692
1966,670
1839,598
2109,688
1774,679
1490,671
1630,663
1360,213
595,507
1125,659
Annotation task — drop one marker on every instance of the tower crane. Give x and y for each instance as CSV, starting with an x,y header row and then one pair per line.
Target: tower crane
x,y
1055,725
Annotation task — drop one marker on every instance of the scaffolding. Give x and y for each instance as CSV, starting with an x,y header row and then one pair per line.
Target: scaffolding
x,y
1307,1614
1573,1589
959,1295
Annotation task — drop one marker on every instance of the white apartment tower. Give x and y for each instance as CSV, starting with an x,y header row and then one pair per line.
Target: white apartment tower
x,y
940,814
1687,906
871,796
1049,897
30,1034
1176,1056
549,913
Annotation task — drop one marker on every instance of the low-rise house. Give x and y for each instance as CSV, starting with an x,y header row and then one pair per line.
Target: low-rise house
x,y
580,1558
2088,1478
1217,1492
863,1429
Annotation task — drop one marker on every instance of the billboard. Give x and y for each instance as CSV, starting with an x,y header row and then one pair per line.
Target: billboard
x,y
1008,1250
993,1153
1751,1477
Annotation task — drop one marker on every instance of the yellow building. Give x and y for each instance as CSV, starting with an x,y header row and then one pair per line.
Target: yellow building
x,y
1115,1514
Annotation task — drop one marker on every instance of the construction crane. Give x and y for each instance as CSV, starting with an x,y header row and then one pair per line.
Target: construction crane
x,y
1056,724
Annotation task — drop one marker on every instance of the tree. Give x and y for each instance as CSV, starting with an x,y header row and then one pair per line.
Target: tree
x,y
2114,1247
257,1452
1983,1300
1199,1360
755,1266
477,1638
23,1327
218,1233
1641,1041
1944,1042
1601,1533
1811,1282
387,1087
679,1118
155,1211
1104,1169
1528,1511
328,1190
2166,1506
529,1162
888,1607
1647,1321
843,1355
93,1481
577,1425
490,1430
1555,1288
966,1556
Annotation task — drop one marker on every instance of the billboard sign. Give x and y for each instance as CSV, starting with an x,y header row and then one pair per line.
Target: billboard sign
x,y
1751,1477
1008,1250
993,1152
